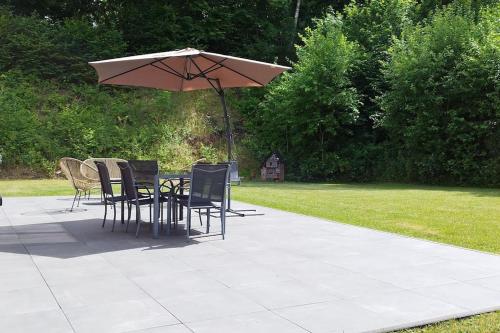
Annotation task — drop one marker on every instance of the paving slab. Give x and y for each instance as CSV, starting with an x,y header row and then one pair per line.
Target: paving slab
x,y
35,322
278,272
262,322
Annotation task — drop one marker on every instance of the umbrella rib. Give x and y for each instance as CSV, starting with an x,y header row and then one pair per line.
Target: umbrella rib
x,y
178,74
214,69
207,78
210,69
233,70
165,70
183,75
131,70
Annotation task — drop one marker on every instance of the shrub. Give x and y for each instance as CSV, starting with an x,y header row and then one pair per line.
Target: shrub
x,y
442,110
309,113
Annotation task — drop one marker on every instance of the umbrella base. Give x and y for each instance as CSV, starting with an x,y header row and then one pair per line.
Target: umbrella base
x,y
242,212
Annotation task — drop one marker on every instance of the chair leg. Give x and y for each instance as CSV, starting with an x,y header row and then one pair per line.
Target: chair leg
x,y
138,219
79,196
129,208
188,222
208,220
114,217
105,212
223,220
174,212
161,216
74,199
199,217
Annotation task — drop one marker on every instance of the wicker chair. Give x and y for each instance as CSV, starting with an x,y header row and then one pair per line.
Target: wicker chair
x,y
72,169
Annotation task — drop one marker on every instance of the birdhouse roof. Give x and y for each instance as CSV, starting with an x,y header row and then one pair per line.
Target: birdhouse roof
x,y
278,155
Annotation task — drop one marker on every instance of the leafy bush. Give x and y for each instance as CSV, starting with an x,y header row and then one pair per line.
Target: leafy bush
x,y
40,123
442,111
58,50
309,113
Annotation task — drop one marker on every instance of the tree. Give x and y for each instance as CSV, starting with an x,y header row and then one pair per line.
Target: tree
x,y
308,114
442,110
373,25
58,50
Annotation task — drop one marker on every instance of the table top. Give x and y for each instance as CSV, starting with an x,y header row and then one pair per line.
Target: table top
x,y
174,175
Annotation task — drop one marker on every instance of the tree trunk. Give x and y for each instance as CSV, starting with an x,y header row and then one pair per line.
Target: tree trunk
x,y
295,23
296,16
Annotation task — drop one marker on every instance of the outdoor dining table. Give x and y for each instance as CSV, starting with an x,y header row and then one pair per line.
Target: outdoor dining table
x,y
156,210
156,190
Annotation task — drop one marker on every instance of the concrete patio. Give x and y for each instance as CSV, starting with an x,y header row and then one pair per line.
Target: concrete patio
x,y
281,272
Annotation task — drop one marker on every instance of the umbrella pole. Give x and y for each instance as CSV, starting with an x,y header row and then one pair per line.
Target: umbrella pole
x,y
229,138
229,135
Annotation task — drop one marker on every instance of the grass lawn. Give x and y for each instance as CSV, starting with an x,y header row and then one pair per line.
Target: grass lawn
x,y
35,187
484,323
468,217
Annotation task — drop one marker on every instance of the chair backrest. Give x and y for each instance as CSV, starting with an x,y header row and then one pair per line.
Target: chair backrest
x,y
106,186
71,169
208,182
89,170
128,182
144,170
111,164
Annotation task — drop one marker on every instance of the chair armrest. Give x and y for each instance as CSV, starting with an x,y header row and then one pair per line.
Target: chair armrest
x,y
140,186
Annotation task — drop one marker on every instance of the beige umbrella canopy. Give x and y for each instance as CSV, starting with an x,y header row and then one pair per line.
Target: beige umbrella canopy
x,y
186,70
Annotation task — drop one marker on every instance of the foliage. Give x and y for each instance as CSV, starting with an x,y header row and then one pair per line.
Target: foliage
x,y
309,112
39,124
55,50
373,25
351,147
442,110
260,29
423,97
401,90
53,9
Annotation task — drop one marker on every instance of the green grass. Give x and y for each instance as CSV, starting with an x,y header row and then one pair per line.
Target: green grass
x,y
35,187
484,323
468,217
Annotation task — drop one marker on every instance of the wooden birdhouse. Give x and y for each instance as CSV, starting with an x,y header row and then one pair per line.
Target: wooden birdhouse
x,y
273,168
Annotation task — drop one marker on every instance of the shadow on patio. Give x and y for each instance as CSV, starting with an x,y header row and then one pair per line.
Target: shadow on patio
x,y
75,238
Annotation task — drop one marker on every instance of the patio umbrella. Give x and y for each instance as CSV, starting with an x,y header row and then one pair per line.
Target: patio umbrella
x,y
186,70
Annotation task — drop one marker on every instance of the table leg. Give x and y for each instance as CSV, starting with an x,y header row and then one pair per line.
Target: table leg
x,y
122,203
156,207
181,192
229,195
169,211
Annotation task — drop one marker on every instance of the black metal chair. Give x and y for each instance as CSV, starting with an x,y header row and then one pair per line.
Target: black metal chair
x,y
132,196
207,191
107,192
144,172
